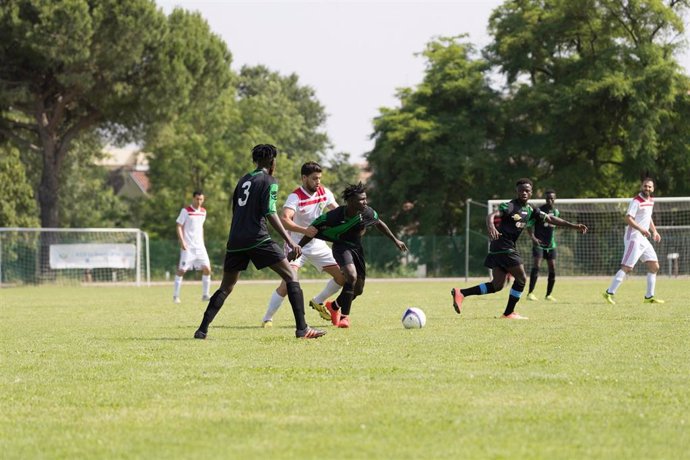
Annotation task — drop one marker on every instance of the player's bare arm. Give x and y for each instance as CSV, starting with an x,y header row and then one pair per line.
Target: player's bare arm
x,y
558,222
287,218
655,235
534,238
630,220
383,228
493,232
180,236
275,222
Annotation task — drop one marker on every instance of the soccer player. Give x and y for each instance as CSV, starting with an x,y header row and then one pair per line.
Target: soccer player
x,y
503,257
302,206
637,246
344,227
544,246
254,203
193,255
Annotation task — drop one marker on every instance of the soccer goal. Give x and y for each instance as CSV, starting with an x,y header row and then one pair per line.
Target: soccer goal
x,y
74,256
600,251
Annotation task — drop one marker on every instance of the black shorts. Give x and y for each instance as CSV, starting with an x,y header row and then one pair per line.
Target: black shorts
x,y
503,260
355,256
547,254
264,255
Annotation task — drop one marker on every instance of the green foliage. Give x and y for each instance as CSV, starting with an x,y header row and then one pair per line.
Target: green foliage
x,y
18,206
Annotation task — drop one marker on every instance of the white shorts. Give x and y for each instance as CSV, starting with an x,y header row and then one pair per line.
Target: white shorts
x,y
318,253
193,259
638,249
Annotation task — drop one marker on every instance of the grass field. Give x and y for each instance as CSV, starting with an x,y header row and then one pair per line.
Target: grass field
x,y
114,373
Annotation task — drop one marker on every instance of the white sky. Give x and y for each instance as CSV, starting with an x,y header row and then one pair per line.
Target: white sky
x,y
355,54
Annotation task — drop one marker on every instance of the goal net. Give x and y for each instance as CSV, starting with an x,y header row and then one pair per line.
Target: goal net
x,y
600,251
73,256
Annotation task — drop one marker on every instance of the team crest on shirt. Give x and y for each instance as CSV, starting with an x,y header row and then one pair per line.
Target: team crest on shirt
x,y
516,217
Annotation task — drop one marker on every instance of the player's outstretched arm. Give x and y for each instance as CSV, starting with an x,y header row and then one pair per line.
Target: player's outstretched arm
x,y
383,228
494,234
557,221
275,222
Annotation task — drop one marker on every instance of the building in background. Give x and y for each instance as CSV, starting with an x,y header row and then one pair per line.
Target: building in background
x,y
127,170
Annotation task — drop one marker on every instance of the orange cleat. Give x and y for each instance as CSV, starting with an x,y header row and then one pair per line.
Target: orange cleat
x,y
457,300
335,313
514,315
344,322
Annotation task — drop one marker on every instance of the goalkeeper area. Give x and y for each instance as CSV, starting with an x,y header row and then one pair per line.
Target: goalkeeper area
x,y
73,256
600,251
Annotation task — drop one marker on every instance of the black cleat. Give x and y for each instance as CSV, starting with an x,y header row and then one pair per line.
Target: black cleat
x,y
309,333
199,334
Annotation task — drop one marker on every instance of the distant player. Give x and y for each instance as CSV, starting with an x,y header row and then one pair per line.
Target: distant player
x,y
637,246
193,255
302,206
544,246
344,227
503,257
254,203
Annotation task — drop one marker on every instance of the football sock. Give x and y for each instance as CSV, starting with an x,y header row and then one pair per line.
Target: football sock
x,y
331,288
616,282
344,300
205,284
651,284
514,297
294,293
273,305
480,289
533,276
551,282
176,286
214,305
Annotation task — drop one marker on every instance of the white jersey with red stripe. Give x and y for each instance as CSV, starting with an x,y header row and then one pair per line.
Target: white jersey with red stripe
x,y
308,206
640,209
192,221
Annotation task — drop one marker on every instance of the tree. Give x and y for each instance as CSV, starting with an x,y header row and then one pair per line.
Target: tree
x,y
74,66
18,206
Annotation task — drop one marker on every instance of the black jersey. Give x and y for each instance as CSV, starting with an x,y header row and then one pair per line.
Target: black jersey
x,y
336,227
254,198
544,231
514,218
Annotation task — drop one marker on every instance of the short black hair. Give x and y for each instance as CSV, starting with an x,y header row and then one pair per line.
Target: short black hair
x,y
352,190
523,181
197,193
263,152
310,167
549,190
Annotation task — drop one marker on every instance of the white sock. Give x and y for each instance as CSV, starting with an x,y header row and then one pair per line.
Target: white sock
x,y
651,284
331,288
176,286
616,281
205,284
273,306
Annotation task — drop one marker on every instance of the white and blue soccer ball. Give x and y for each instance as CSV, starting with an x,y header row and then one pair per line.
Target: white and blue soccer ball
x,y
413,318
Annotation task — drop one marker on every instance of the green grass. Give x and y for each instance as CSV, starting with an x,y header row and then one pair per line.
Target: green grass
x,y
114,373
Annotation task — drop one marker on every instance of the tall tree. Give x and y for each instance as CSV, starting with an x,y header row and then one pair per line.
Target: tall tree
x,y
120,66
18,205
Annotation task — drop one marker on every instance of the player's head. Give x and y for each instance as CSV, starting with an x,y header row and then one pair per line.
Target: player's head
x,y
550,196
197,198
264,155
523,189
647,187
311,176
355,195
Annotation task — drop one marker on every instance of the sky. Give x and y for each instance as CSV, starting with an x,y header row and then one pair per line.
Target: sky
x,y
354,54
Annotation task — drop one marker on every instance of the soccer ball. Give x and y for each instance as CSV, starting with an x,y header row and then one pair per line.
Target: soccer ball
x,y
414,318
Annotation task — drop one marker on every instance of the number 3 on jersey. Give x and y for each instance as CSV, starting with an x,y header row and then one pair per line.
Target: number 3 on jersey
x,y
243,201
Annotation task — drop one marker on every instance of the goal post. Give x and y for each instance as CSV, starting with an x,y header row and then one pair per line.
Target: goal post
x,y
599,252
74,256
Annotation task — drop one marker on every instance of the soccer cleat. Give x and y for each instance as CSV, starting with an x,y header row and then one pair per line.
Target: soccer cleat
x,y
653,299
205,298
609,297
531,296
334,314
176,300
344,322
514,315
319,307
267,324
309,333
457,300
199,334
551,298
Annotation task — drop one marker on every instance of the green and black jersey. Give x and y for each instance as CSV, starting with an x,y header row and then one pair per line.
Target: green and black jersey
x,y
544,231
514,218
254,198
336,227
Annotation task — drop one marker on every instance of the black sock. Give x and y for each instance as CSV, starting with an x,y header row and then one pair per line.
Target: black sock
x,y
480,289
294,292
551,282
344,300
214,306
533,276
515,293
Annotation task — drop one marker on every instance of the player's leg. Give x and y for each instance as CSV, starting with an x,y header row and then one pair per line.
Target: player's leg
x,y
205,282
320,256
332,286
633,252
458,295
520,278
534,273
651,261
341,305
357,287
179,275
217,300
550,257
274,304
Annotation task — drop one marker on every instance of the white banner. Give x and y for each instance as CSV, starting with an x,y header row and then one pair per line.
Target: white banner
x,y
93,255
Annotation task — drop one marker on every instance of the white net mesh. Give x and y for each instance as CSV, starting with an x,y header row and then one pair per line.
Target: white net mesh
x,y
73,256
599,252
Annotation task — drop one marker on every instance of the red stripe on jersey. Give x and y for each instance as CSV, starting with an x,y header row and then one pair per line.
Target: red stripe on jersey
x,y
312,201
302,195
640,199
